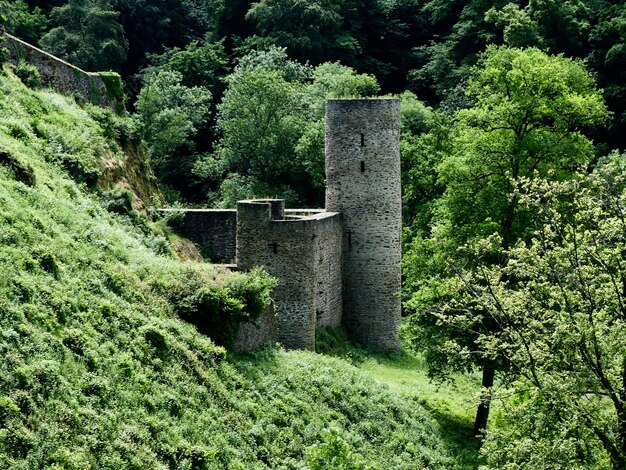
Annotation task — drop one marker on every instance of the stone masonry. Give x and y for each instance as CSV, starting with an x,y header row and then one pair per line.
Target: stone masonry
x,y
363,184
304,254
335,266
215,230
59,75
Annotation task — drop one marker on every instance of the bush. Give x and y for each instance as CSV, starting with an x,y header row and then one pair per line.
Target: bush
x,y
23,173
333,452
218,311
28,74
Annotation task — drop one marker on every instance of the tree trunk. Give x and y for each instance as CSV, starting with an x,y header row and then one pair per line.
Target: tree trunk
x,y
482,414
618,458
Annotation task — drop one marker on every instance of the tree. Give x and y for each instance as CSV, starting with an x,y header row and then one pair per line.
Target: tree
x,y
560,306
459,32
154,25
554,25
25,23
528,113
607,57
309,30
372,36
271,121
170,113
87,33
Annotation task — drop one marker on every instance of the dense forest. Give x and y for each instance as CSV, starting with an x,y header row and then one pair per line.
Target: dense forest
x,y
514,180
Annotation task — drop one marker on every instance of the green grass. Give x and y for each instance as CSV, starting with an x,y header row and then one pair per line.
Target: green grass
x,y
452,404
99,370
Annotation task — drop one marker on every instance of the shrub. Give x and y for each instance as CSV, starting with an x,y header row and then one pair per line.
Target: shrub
x,y
218,311
28,74
120,202
333,452
23,173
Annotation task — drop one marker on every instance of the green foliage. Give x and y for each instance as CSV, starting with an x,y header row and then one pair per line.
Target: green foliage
x,y
87,34
25,22
558,26
330,419
271,120
525,123
28,74
201,63
558,304
23,173
333,452
169,114
4,53
114,86
217,311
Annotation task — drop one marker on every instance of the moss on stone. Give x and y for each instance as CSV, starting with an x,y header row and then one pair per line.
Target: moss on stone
x,y
114,85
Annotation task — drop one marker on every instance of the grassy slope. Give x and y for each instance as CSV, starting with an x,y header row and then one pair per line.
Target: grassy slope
x,y
451,404
98,371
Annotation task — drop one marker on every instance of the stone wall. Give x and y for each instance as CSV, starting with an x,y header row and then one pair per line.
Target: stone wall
x,y
328,291
363,183
215,230
60,75
262,332
293,250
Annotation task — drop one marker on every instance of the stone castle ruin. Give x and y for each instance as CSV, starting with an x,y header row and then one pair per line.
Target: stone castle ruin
x,y
335,266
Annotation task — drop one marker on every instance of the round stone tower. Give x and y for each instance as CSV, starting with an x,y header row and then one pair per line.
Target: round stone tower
x,y
363,183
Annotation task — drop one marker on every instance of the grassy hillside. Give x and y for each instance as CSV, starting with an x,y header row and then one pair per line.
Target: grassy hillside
x,y
99,370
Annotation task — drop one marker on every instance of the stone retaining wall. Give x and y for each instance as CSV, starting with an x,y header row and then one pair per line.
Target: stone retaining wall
x,y
59,75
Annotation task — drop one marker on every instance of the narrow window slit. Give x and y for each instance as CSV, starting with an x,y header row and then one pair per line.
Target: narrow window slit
x,y
362,167
362,140
274,247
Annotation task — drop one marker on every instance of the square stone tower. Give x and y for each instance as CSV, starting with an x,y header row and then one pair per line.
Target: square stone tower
x,y
363,184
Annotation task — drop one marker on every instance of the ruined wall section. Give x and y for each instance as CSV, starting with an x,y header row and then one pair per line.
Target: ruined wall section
x,y
293,250
363,183
328,291
59,75
214,230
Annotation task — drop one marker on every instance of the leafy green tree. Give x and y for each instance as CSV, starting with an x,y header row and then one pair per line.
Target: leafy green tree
x,y
152,26
555,25
425,141
459,32
309,30
526,121
87,33
329,80
26,23
261,118
559,305
372,36
272,128
170,113
201,63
